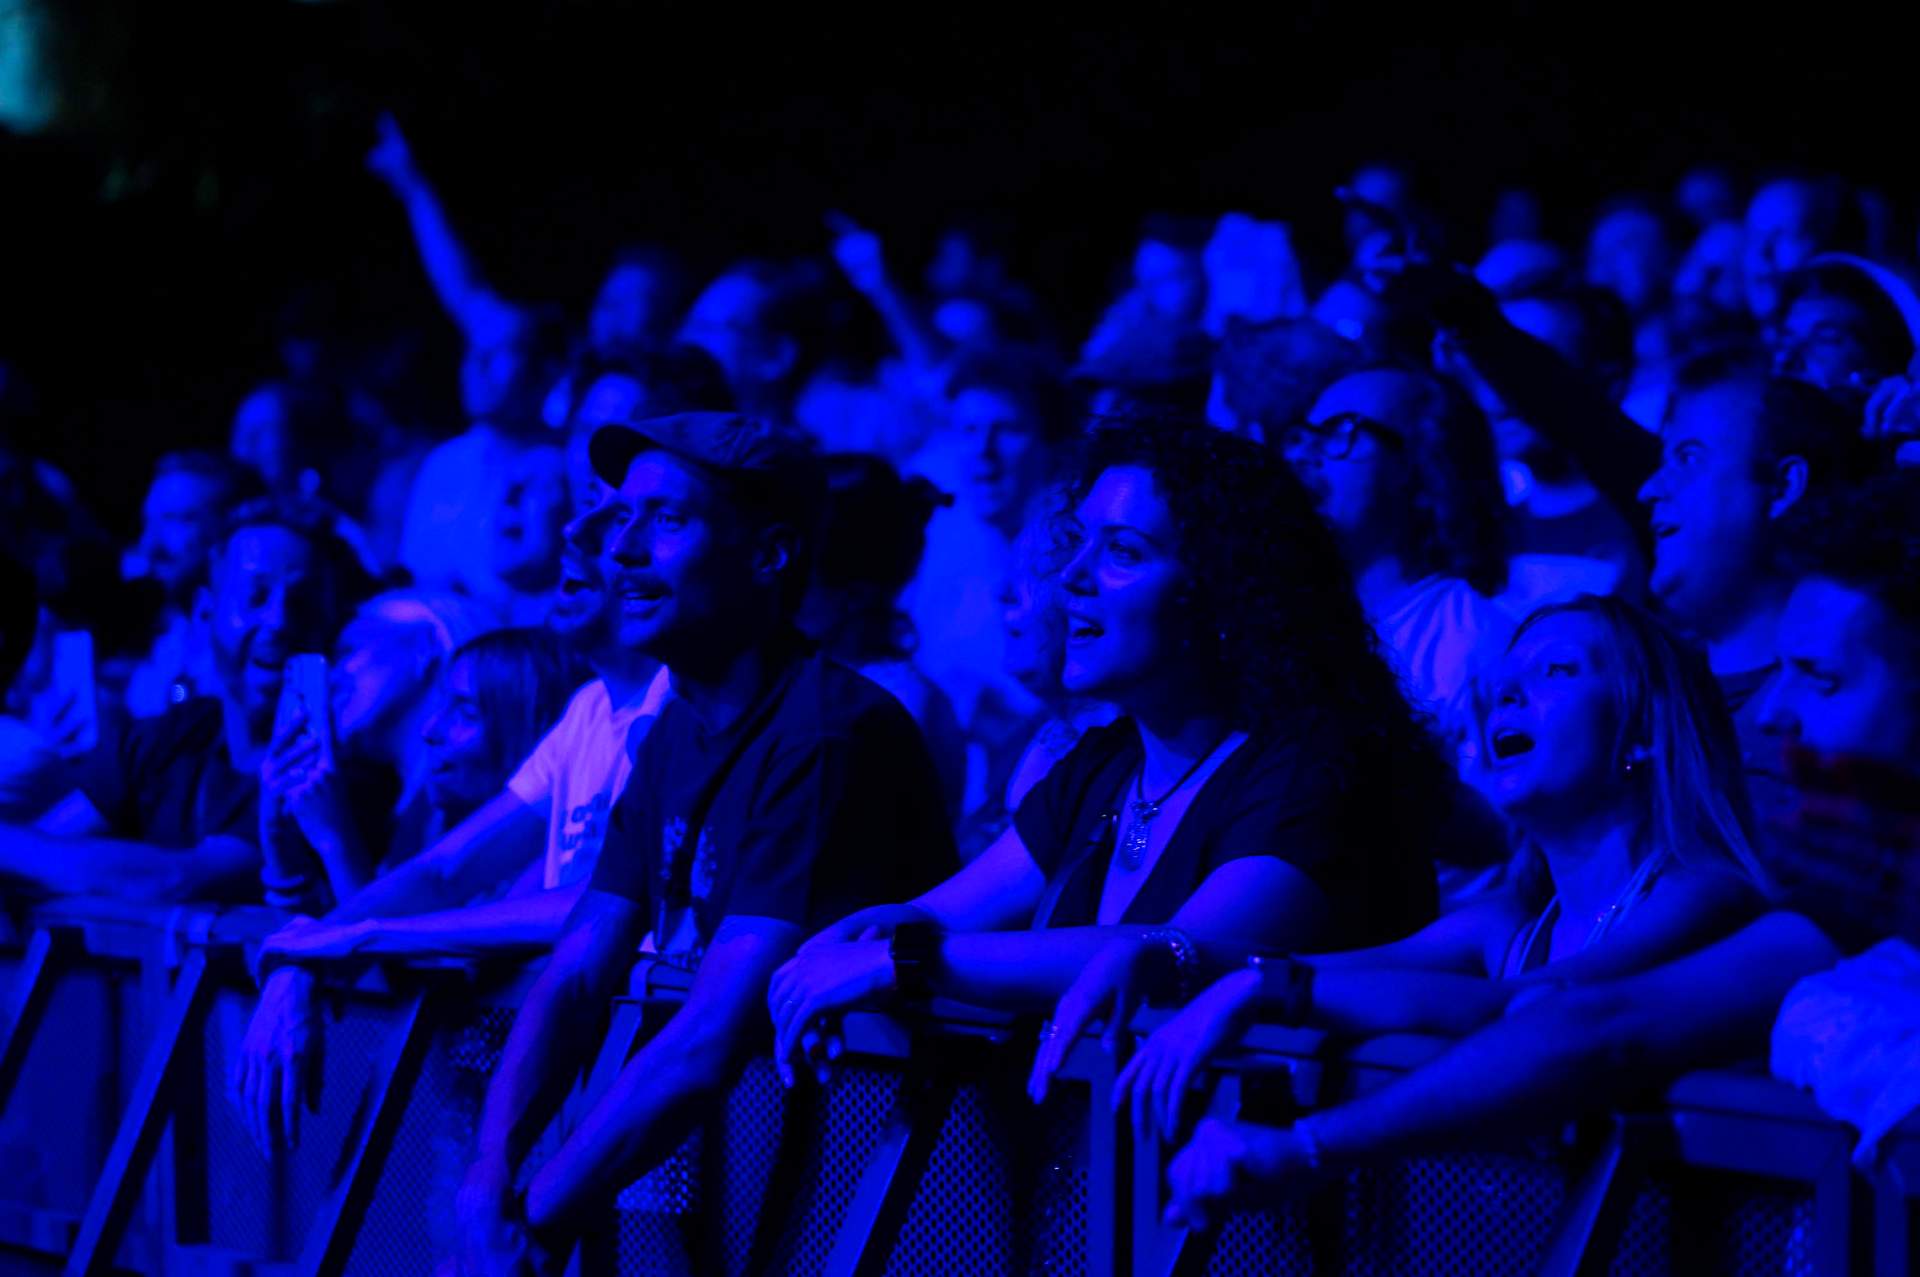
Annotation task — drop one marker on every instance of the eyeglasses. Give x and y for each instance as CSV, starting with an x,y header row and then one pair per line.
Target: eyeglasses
x,y
1334,438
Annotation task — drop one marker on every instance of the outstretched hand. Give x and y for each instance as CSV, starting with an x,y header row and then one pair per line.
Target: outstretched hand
x,y
1162,1074
858,253
1112,985
809,994
1229,1166
391,158
277,1072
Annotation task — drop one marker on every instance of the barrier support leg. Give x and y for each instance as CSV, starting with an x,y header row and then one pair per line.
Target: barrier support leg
x,y
332,1238
36,983
147,1111
890,1180
1596,1208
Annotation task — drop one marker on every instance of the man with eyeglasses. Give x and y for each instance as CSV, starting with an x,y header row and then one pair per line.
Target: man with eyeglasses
x,y
1402,467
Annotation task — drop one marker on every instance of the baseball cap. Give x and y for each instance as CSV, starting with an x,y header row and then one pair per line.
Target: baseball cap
x,y
774,468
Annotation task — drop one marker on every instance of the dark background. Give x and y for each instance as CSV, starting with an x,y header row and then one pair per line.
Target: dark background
x,y
210,161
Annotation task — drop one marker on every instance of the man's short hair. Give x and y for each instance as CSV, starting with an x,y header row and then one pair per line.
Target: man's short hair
x,y
316,523
1794,419
1867,536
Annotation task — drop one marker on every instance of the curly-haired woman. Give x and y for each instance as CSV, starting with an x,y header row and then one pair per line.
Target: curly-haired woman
x,y
1613,753
1266,782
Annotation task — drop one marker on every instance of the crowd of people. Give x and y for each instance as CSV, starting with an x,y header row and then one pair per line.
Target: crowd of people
x,y
1476,635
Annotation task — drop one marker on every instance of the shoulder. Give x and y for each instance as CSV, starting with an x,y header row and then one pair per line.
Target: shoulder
x,y
1308,749
1708,886
829,699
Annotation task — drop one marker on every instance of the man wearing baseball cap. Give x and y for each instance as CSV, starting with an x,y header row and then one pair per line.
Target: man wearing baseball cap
x,y
777,791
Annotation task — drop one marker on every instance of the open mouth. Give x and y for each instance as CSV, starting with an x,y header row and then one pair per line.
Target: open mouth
x,y
641,594
1661,531
572,585
1081,630
1509,743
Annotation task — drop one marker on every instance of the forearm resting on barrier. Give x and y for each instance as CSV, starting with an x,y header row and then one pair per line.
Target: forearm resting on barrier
x,y
1573,1049
482,851
517,925
672,1084
554,1033
70,866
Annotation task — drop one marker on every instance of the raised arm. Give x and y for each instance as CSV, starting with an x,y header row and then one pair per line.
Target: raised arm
x,y
483,316
859,254
672,1083
1539,386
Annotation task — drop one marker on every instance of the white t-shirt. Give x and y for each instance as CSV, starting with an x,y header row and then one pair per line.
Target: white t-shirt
x,y
579,769
447,539
1444,639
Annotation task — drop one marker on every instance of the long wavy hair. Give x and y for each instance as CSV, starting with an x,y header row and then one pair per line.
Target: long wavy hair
x,y
1456,512
1691,794
522,680
1273,625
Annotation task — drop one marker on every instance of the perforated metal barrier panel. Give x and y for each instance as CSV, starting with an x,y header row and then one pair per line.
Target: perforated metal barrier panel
x,y
781,1182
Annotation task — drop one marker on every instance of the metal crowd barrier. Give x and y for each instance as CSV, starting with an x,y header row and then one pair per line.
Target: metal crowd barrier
x,y
120,1150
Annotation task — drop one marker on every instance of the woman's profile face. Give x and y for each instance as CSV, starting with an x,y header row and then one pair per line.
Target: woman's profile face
x,y
460,771
1550,735
1119,590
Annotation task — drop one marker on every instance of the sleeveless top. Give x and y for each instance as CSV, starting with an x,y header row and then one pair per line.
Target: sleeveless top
x,y
1531,944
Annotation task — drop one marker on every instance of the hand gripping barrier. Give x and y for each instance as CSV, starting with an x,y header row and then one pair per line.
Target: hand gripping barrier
x,y
122,1151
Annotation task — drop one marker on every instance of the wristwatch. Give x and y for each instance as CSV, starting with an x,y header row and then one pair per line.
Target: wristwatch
x,y
915,950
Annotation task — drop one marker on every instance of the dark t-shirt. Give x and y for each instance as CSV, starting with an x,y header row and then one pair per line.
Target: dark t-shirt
x,y
1845,847
1280,795
822,799
169,782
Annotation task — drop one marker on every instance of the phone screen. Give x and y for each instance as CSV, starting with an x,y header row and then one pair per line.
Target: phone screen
x,y
303,690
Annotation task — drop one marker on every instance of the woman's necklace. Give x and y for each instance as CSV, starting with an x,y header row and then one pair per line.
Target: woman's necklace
x,y
1133,848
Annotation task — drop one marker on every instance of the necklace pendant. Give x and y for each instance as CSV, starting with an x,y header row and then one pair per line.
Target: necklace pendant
x,y
1133,848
